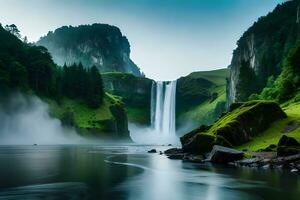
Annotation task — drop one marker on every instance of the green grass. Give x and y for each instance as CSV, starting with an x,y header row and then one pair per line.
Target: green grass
x,y
202,113
84,116
217,77
138,115
273,134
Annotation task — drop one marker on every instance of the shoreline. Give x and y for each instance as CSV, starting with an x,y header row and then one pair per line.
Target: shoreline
x,y
259,160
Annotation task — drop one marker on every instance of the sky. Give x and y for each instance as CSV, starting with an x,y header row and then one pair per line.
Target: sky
x,y
168,38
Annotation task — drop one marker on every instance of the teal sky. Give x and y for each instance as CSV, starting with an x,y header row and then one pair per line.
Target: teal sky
x,y
169,38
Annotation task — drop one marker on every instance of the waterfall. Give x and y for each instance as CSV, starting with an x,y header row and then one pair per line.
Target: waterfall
x,y
163,103
163,127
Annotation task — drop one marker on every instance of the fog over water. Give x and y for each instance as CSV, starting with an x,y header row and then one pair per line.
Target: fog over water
x,y
26,120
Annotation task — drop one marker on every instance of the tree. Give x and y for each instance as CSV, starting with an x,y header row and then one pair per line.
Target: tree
x,y
13,29
18,75
96,93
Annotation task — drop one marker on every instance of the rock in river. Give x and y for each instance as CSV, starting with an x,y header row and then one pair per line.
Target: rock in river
x,y
152,151
221,154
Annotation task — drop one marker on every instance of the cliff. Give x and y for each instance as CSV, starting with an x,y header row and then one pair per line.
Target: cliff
x,y
135,93
261,49
101,45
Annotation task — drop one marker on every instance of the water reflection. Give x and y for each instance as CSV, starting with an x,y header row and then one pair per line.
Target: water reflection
x,y
93,172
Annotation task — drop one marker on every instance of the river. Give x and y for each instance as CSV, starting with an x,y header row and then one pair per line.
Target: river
x,y
129,172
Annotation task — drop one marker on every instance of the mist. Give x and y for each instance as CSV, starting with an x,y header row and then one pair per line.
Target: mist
x,y
147,135
26,120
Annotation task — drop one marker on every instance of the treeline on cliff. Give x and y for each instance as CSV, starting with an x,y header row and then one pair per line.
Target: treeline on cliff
x,y
286,85
101,45
263,48
27,67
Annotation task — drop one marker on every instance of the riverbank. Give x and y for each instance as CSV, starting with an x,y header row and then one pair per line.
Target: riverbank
x,y
222,155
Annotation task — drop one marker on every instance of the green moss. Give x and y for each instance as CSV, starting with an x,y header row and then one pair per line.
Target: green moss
x,y
274,133
200,143
84,116
248,108
134,91
238,126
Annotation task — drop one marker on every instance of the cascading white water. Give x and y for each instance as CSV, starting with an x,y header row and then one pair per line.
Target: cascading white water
x,y
163,108
163,129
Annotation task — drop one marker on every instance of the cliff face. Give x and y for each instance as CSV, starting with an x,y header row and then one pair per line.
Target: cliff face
x,y
101,45
261,49
135,93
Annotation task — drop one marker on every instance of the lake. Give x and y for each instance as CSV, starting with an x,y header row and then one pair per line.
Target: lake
x,y
129,172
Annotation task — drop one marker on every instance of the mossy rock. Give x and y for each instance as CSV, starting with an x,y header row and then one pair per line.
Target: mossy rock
x,y
240,124
199,143
184,139
288,141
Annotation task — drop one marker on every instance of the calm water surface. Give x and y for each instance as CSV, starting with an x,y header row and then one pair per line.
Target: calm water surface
x,y
128,172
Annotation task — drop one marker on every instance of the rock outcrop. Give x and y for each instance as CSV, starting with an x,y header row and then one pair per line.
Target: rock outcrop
x,y
238,126
101,45
134,91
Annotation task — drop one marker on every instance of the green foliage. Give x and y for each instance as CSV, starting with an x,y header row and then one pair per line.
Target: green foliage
x,y
134,91
28,67
18,75
248,82
209,104
262,49
246,120
84,84
101,45
277,129
287,83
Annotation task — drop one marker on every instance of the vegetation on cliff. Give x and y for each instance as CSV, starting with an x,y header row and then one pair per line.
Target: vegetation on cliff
x,y
75,94
99,45
109,119
286,85
134,91
28,67
261,51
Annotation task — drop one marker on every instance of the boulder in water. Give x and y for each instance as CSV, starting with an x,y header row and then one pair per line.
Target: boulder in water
x,y
152,151
221,154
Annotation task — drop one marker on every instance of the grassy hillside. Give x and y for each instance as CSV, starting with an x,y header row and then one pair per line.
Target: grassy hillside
x,y
288,126
88,120
218,77
207,110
